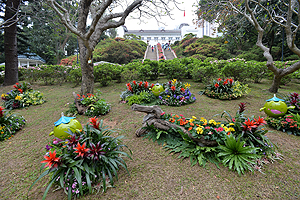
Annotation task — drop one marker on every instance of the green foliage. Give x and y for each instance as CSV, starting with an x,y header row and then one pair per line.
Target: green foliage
x,y
289,123
237,69
9,124
242,154
173,69
87,158
225,89
95,106
22,96
75,75
121,52
237,156
293,99
104,73
149,70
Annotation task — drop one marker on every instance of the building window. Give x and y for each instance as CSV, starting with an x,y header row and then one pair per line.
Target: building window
x,y
142,38
177,38
148,38
163,38
170,38
156,38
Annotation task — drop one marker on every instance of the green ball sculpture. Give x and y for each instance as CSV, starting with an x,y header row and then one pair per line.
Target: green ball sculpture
x,y
63,125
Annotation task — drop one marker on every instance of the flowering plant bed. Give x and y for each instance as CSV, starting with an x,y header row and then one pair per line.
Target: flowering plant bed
x,y
22,96
239,142
289,123
225,89
85,162
172,93
9,124
89,105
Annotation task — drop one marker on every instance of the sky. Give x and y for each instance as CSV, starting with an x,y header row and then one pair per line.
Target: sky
x,y
178,16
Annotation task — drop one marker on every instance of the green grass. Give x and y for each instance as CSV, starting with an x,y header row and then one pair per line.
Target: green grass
x,y
154,173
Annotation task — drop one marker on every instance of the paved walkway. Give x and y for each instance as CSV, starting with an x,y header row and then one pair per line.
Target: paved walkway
x,y
169,55
151,55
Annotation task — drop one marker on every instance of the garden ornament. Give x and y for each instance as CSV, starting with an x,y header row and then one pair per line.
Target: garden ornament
x,y
157,89
64,124
275,107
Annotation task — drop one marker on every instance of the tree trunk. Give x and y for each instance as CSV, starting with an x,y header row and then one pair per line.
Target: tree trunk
x,y
275,84
10,44
87,70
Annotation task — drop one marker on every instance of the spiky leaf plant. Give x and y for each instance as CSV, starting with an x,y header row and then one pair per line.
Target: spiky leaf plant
x,y
237,156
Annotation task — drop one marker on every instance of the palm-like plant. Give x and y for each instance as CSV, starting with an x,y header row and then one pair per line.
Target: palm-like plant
x,y
237,156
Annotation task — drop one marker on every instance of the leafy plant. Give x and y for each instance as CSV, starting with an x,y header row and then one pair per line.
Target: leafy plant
x,y
236,155
86,161
9,124
289,123
94,104
22,96
225,89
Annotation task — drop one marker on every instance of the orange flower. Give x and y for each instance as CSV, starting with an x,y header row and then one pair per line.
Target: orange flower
x,y
192,124
94,122
176,116
20,90
81,150
190,128
51,160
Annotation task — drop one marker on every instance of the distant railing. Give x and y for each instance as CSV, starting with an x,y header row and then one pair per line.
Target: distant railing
x,y
145,54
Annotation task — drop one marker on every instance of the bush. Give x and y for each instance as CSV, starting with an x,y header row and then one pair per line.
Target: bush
x,y
103,73
149,70
173,69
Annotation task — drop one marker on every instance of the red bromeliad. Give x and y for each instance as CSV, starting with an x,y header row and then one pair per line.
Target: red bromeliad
x,y
94,122
51,160
81,150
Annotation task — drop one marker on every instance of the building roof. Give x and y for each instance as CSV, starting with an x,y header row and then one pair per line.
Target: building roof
x,y
152,31
30,56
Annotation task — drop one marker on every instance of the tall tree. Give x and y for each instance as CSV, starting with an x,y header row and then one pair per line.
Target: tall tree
x,y
260,14
10,42
105,14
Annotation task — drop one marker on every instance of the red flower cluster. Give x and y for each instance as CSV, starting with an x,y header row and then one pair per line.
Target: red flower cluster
x,y
81,150
251,125
1,111
17,86
94,122
51,160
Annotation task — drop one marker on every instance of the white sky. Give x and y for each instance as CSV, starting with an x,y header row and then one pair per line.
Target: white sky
x,y
178,17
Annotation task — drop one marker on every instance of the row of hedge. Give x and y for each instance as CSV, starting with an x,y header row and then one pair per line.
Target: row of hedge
x,y
185,68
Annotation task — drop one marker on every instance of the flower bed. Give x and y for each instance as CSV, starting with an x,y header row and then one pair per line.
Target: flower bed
x,y
93,105
172,93
85,162
22,96
289,123
240,141
9,124
225,89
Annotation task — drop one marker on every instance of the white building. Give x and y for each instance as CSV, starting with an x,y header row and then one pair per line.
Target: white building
x,y
152,37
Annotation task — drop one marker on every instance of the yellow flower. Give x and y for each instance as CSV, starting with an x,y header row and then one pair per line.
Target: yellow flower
x,y
187,85
174,81
3,95
191,120
199,129
168,96
203,120
194,117
222,125
226,42
226,129
212,122
231,124
18,98
231,129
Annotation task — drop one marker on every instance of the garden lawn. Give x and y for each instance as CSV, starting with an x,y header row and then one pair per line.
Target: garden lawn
x,y
154,174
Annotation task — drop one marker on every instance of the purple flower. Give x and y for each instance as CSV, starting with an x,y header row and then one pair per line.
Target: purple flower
x,y
194,98
174,95
48,147
167,91
160,97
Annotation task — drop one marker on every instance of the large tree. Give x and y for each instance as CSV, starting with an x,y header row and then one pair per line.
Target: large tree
x,y
10,41
105,14
260,14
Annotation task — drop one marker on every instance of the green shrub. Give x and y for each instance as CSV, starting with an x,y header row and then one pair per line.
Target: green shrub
x,y
173,69
204,71
149,70
103,73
